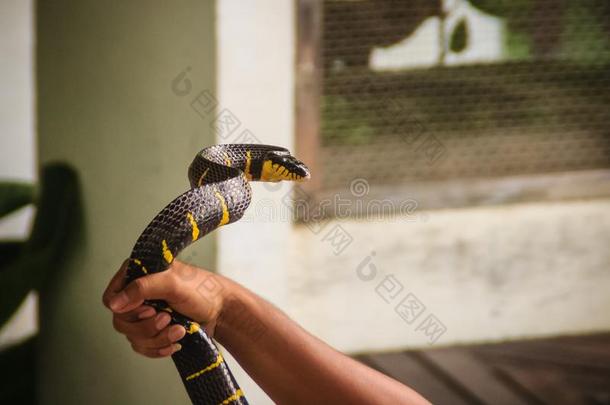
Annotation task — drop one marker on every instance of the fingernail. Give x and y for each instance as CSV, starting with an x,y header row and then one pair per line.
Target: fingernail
x,y
162,320
177,332
147,313
176,347
119,301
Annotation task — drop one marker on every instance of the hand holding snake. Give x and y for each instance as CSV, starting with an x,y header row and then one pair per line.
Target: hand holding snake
x,y
219,195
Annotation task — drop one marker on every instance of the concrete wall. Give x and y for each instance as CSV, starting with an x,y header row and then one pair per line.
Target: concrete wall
x,y
255,83
106,105
17,158
475,275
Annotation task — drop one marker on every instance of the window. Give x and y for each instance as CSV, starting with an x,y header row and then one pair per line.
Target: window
x,y
420,97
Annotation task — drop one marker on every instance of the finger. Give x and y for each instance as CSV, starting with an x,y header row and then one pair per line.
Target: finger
x,y
166,337
141,330
154,286
140,313
157,353
169,350
116,284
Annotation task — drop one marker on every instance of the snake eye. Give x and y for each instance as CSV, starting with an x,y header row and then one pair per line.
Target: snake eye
x,y
297,168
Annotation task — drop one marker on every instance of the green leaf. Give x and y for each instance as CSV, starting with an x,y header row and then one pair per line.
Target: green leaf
x,y
14,195
459,37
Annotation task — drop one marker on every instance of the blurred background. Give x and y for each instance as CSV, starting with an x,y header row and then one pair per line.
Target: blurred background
x,y
455,231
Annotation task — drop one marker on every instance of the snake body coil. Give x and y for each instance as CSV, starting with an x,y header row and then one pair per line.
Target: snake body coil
x,y
219,195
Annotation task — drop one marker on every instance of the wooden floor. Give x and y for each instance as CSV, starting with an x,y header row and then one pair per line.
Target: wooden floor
x,y
564,370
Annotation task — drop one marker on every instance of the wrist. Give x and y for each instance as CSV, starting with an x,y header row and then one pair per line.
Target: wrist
x,y
237,317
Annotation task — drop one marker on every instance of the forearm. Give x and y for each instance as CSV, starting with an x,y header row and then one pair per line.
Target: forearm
x,y
293,366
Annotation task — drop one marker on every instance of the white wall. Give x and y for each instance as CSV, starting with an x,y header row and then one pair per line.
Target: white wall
x,y
485,273
17,157
255,82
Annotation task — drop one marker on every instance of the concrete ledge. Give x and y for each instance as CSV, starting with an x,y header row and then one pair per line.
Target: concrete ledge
x,y
486,274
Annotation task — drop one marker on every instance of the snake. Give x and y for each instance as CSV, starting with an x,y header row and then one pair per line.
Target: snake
x,y
219,194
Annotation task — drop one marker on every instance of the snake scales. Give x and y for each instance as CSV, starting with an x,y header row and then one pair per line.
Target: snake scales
x,y
219,195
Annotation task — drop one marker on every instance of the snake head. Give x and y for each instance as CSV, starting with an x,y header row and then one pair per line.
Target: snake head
x,y
281,165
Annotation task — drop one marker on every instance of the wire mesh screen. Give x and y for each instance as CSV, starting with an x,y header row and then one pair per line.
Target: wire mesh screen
x,y
430,89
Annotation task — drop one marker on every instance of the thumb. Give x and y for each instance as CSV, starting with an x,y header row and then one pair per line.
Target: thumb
x,y
153,286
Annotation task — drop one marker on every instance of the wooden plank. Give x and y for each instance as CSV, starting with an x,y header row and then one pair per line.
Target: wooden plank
x,y
569,353
477,378
562,370
410,371
553,384
601,338
598,343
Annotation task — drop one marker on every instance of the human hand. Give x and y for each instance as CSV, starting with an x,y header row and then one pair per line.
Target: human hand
x,y
189,290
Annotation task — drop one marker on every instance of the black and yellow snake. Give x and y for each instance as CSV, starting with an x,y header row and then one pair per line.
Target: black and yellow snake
x,y
219,195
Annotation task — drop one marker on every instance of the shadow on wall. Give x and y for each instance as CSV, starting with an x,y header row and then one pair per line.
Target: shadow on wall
x,y
27,265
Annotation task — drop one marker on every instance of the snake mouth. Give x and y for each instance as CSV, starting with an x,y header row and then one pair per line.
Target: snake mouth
x,y
298,168
284,166
303,173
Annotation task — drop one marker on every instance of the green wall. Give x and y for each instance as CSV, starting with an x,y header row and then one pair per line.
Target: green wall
x,y
105,104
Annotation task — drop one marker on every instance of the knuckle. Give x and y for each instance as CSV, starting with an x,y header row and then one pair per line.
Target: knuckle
x,y
153,354
175,267
136,348
143,351
182,272
105,299
150,343
131,316
149,328
117,324
156,338
140,286
162,340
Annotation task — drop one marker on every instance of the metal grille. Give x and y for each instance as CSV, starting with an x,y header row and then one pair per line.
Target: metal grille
x,y
509,88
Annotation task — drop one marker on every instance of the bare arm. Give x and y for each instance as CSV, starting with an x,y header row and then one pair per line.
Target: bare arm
x,y
291,365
